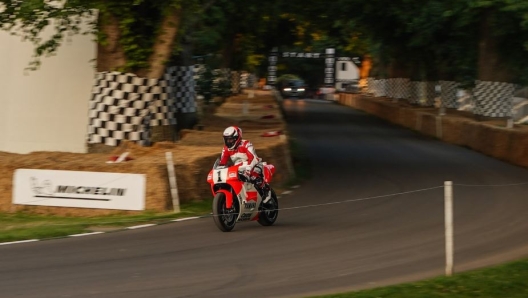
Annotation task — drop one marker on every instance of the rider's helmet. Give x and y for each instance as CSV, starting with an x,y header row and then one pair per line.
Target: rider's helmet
x,y
232,137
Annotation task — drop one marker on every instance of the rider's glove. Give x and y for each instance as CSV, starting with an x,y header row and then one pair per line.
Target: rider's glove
x,y
244,170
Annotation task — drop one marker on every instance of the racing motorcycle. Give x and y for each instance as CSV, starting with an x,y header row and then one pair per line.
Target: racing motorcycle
x,y
236,199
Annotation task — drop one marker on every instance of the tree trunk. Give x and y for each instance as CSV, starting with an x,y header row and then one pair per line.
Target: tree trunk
x,y
228,51
493,91
490,65
185,120
110,55
163,46
398,62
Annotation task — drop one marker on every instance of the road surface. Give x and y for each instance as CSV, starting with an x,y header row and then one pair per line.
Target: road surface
x,y
372,215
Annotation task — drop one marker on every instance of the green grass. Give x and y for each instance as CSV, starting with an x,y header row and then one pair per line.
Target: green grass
x,y
505,281
24,226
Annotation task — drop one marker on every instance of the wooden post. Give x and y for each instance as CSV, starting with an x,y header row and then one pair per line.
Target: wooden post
x,y
448,196
172,182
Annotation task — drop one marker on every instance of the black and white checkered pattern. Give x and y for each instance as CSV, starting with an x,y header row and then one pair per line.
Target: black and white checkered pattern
x,y
398,88
125,106
369,88
119,108
414,94
379,88
391,88
182,88
251,81
162,109
422,93
494,99
448,93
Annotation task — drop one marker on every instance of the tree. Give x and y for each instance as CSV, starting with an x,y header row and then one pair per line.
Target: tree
x,y
446,39
136,36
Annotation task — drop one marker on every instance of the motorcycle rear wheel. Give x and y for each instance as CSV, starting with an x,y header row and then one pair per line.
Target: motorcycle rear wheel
x,y
224,218
269,211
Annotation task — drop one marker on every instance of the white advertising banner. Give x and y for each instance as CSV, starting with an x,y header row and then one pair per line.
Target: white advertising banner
x,y
79,189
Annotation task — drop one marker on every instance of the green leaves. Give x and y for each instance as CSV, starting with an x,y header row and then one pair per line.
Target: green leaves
x,y
29,18
138,20
428,36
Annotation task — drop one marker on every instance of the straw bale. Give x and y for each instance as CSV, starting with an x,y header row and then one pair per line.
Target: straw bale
x,y
193,156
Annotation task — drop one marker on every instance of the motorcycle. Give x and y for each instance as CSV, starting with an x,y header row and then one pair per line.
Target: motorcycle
x,y
236,199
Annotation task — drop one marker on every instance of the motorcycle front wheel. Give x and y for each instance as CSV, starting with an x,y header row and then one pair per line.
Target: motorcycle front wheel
x,y
269,211
224,218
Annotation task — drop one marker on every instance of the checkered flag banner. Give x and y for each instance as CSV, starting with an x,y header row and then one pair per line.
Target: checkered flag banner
x,y
391,88
398,88
422,93
448,94
251,80
379,88
370,85
124,106
494,99
414,96
119,108
181,93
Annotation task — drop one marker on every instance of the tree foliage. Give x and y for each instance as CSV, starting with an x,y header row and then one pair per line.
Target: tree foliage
x,y
439,39
138,24
29,18
430,39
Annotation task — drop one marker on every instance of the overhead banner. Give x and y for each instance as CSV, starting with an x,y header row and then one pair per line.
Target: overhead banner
x,y
272,68
79,189
329,69
301,55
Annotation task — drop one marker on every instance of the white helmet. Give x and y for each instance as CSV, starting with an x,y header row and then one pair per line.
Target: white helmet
x,y
232,137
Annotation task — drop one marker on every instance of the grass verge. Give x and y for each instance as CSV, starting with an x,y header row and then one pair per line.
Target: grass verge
x,y
505,281
508,280
24,226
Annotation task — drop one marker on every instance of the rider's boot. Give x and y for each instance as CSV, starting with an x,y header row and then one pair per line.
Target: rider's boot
x,y
266,193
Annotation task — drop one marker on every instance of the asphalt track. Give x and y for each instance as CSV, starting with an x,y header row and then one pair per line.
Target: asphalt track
x,y
372,215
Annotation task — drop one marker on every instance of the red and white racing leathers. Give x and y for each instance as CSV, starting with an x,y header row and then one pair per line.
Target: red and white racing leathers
x,y
244,154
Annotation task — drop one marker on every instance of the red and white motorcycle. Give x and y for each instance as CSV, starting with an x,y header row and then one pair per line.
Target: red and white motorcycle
x,y
236,199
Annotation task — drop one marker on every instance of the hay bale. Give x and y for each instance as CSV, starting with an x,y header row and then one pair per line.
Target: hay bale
x,y
193,156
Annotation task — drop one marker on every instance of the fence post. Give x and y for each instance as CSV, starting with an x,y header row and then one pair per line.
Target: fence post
x,y
448,198
172,182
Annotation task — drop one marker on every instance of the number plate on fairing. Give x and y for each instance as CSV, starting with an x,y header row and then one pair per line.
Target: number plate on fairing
x,y
220,176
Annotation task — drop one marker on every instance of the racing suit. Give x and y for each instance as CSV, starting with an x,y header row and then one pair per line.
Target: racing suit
x,y
251,165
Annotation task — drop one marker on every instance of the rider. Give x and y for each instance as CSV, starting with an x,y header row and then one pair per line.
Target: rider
x,y
242,152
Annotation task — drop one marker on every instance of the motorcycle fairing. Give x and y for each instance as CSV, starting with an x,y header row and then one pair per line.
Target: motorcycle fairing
x,y
251,196
228,195
269,170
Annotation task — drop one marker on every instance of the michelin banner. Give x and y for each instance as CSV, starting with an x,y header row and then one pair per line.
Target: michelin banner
x,y
79,189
